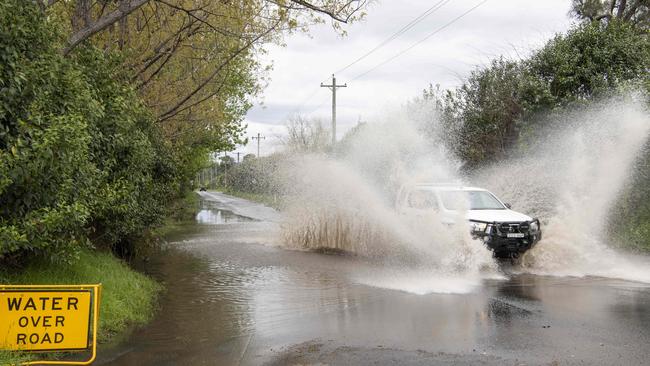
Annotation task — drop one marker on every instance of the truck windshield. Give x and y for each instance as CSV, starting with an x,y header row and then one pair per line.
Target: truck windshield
x,y
477,200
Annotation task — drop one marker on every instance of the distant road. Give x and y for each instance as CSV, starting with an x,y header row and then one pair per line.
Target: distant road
x,y
241,206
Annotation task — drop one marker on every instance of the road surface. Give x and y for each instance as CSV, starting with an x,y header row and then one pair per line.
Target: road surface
x,y
236,298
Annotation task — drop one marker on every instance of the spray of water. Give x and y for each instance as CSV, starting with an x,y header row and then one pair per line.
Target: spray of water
x,y
570,180
346,204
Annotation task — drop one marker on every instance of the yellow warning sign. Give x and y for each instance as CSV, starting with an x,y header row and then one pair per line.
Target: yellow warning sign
x,y
49,318
45,320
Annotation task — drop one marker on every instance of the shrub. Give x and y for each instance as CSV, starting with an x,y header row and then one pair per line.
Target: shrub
x,y
80,156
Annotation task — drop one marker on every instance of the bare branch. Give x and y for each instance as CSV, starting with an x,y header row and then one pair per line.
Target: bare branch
x,y
175,109
169,53
125,8
190,13
163,48
621,8
338,14
43,4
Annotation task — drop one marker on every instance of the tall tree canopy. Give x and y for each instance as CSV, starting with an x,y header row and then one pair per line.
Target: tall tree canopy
x,y
194,62
496,108
636,12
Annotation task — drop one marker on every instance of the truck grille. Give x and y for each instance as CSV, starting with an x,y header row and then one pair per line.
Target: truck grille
x,y
521,227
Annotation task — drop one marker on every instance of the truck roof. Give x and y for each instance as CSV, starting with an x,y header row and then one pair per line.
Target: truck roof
x,y
447,187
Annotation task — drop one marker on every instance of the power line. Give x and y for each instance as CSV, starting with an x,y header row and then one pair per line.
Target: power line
x,y
405,28
401,31
398,33
420,41
305,100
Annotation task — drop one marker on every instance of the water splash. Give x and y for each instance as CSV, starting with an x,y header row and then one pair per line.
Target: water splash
x,y
346,204
572,180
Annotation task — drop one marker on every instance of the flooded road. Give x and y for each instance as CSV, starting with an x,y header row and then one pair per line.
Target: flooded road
x,y
233,298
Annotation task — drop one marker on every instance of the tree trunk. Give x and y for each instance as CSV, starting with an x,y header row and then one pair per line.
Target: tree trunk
x,y
125,8
621,9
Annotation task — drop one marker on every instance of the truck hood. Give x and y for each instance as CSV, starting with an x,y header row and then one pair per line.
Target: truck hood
x,y
497,215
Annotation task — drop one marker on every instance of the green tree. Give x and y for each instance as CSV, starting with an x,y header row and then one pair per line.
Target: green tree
x,y
486,112
636,12
591,60
80,157
497,109
46,173
194,63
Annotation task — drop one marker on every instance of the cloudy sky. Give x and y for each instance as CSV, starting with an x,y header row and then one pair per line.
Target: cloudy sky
x,y
512,28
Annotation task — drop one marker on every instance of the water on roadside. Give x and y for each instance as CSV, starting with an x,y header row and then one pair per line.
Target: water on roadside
x,y
233,298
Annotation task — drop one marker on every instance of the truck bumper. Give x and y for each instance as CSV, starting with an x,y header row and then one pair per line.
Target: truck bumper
x,y
503,247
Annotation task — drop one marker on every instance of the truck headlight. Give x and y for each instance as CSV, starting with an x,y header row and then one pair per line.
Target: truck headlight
x,y
478,226
534,226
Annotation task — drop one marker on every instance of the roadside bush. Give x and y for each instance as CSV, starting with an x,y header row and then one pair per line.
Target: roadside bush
x,y
497,110
135,177
45,108
255,175
80,156
591,60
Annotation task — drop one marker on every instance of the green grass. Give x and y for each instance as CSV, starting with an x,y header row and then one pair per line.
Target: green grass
x,y
12,358
180,212
128,298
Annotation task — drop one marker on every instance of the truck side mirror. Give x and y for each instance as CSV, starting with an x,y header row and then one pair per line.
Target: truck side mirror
x,y
508,205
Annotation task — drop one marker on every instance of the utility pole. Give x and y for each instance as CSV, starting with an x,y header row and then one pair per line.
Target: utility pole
x,y
237,157
258,138
225,171
333,87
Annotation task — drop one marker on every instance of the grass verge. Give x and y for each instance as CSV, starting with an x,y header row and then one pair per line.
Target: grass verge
x,y
181,211
128,298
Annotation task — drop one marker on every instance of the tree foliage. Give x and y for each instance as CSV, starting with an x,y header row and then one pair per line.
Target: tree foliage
x,y
636,12
44,160
79,155
496,109
591,60
194,63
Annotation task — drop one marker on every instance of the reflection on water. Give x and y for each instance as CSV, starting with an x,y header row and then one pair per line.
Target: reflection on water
x,y
230,300
211,214
219,217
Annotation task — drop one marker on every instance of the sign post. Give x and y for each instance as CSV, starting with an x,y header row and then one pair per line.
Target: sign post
x,y
36,318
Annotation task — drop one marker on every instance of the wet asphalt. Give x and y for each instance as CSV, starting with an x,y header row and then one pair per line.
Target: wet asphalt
x,y
234,297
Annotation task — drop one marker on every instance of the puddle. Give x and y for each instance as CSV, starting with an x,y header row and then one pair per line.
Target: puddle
x,y
210,214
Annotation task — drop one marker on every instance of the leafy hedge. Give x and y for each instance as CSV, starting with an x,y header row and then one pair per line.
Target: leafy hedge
x,y
80,157
498,108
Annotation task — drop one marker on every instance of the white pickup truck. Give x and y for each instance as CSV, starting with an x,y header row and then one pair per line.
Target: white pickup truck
x,y
506,232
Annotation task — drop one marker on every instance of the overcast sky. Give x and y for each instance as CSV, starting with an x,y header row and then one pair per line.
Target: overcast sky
x,y
512,28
